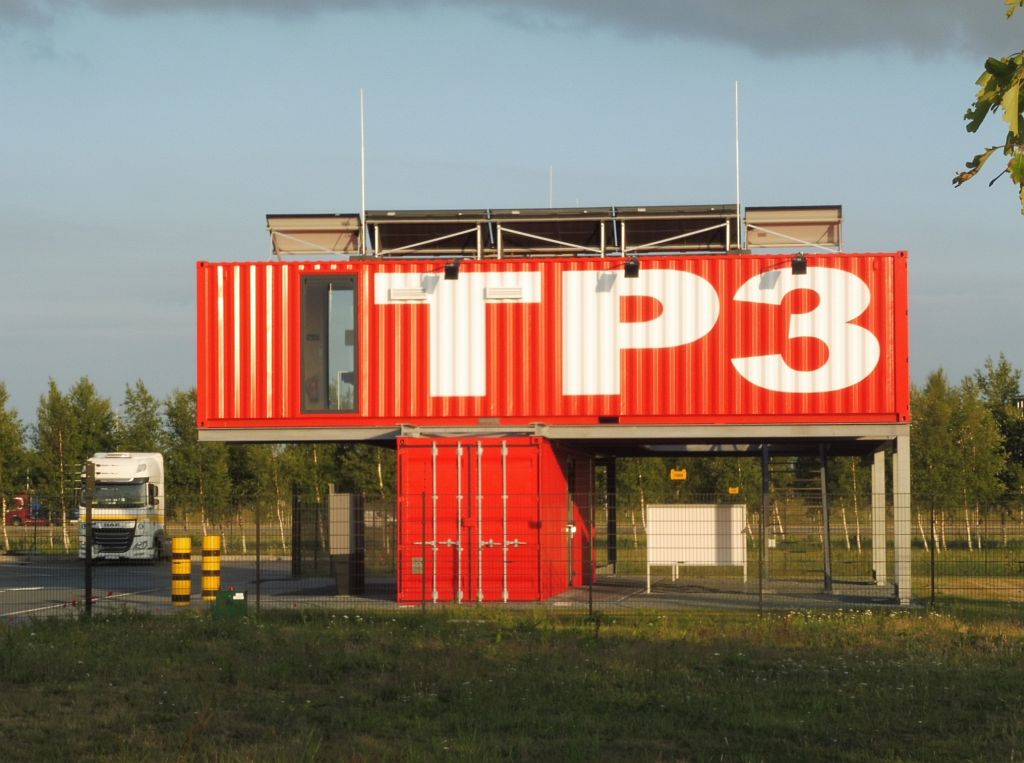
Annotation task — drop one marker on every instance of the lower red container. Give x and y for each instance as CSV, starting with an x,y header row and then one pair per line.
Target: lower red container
x,y
492,519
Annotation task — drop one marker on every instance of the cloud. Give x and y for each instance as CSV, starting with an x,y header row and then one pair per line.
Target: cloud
x,y
17,13
794,27
777,28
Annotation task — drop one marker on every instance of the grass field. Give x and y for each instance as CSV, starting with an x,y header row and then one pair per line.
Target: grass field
x,y
483,685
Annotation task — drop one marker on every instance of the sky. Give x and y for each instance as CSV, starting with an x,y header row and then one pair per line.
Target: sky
x,y
140,136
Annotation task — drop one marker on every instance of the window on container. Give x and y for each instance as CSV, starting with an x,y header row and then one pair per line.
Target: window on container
x,y
329,344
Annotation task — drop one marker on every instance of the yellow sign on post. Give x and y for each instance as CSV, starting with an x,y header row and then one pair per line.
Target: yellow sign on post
x,y
677,474
734,490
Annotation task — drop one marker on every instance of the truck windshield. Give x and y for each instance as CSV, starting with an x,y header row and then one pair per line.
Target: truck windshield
x,y
122,496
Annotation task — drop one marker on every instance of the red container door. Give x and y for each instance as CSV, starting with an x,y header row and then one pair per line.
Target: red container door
x,y
430,530
506,503
468,526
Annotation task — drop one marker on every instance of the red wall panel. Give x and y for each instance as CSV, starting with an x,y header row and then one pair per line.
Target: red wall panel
x,y
695,339
489,519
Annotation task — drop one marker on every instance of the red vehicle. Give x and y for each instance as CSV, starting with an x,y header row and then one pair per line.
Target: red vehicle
x,y
26,511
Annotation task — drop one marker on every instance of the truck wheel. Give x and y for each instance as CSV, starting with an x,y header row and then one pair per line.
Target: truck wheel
x,y
16,521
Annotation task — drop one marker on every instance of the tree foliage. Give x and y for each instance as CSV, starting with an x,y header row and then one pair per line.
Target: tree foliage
x,y
139,429
968,448
13,456
366,469
70,427
197,473
999,385
957,455
979,446
643,481
999,89
255,476
93,419
311,467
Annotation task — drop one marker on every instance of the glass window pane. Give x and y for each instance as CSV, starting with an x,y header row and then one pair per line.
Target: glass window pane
x,y
329,359
341,333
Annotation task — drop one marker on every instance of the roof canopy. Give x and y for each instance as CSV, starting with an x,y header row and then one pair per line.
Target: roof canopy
x,y
818,227
586,231
516,232
308,235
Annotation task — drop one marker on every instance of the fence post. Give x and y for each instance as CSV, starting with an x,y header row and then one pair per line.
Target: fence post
x,y
590,561
933,556
826,516
90,486
612,487
766,488
259,552
423,567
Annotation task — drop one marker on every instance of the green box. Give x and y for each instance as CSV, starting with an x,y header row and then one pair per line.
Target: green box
x,y
229,605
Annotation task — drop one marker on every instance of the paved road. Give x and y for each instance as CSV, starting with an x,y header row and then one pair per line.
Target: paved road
x,y
43,586
40,586
36,586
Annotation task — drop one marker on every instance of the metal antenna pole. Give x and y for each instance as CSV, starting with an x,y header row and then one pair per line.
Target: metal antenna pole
x,y
362,172
739,227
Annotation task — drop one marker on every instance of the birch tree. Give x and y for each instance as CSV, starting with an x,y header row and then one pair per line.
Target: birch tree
x,y
69,428
197,473
139,428
999,384
957,455
13,457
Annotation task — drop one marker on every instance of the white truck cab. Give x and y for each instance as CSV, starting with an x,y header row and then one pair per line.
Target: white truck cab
x,y
127,500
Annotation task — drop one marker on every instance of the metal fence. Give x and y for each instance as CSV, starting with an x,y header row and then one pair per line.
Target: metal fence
x,y
590,554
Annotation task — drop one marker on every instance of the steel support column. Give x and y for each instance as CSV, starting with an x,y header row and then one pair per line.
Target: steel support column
x,y
612,488
901,517
879,548
826,519
766,497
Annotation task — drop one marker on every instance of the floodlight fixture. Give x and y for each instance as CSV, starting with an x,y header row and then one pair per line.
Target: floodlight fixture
x,y
451,270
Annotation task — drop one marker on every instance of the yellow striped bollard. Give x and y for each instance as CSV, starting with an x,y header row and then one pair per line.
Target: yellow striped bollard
x,y
211,567
181,571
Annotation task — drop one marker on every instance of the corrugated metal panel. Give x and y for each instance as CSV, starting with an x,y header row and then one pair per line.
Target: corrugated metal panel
x,y
491,519
726,339
247,354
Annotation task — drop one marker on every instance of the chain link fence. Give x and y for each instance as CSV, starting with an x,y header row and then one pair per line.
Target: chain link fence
x,y
589,554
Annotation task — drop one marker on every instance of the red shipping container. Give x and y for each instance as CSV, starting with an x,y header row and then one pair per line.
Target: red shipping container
x,y
492,519
560,341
